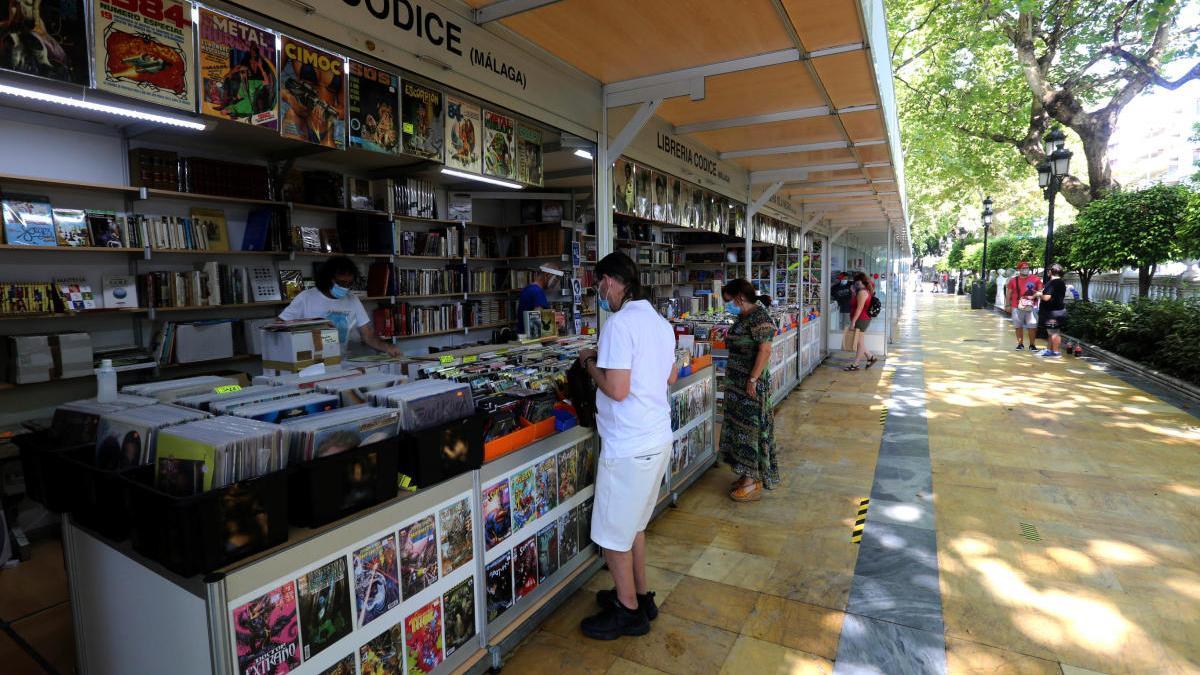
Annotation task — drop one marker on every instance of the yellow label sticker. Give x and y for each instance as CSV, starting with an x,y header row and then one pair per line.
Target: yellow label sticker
x,y
227,389
470,359
445,359
408,127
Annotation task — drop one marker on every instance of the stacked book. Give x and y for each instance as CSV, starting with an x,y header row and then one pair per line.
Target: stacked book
x,y
127,438
212,453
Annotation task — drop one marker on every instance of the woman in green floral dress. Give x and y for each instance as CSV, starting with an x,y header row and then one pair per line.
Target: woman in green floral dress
x,y
748,424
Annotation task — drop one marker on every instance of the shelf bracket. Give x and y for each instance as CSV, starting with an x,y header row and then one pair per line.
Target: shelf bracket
x,y
838,234
643,114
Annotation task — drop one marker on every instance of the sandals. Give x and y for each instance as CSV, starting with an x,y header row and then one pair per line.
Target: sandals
x,y
871,361
850,368
750,492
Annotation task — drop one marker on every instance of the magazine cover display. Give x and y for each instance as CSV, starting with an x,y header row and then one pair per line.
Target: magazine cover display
x,y
28,221
547,550
422,118
459,606
497,521
312,94
671,200
423,638
464,126
145,51
643,183
454,526
585,522
547,486
382,655
529,155
71,227
267,633
524,489
568,536
587,465
525,567
239,79
324,606
343,667
376,588
622,176
568,469
499,586
47,38
498,142
418,556
374,117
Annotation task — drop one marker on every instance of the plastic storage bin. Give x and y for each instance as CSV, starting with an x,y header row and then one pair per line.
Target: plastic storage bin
x,y
323,490
431,456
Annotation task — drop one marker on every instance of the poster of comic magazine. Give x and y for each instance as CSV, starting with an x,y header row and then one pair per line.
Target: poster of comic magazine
x,y
464,127
529,155
239,79
374,109
499,153
421,116
145,50
59,50
267,633
312,94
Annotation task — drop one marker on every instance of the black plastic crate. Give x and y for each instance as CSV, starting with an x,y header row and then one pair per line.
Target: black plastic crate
x,y
44,461
204,532
323,490
430,456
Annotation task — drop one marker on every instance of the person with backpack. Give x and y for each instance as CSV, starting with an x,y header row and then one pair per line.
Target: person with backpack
x,y
866,307
1022,297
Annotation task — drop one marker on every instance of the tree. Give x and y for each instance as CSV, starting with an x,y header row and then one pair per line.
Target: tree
x,y
1002,252
1138,229
1067,253
1195,138
954,259
973,255
1189,230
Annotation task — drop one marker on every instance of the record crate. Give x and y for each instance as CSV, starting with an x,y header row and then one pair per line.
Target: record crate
x,y
430,456
326,489
204,532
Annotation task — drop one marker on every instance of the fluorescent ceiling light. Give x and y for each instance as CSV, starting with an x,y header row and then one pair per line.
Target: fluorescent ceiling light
x,y
482,179
101,107
584,154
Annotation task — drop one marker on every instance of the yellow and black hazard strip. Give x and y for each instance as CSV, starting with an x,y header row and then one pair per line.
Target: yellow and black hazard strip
x,y
860,522
883,413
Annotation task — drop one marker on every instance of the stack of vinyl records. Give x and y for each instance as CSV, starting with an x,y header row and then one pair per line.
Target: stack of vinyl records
x,y
167,391
76,422
427,403
226,406
330,433
206,400
277,410
212,453
356,389
127,438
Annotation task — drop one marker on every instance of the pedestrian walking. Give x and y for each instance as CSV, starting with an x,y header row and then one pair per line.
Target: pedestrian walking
x,y
1021,298
862,320
1054,310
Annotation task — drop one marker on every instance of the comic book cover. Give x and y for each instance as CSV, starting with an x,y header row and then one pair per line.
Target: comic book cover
x,y
324,606
422,121
587,465
529,155
382,655
547,487
47,38
585,523
463,129
498,142
525,567
568,536
312,95
459,619
343,667
524,489
267,633
145,51
497,521
376,588
418,556
457,537
423,638
547,543
568,467
499,586
239,79
374,112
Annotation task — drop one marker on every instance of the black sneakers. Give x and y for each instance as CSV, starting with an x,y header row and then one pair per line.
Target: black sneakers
x,y
645,602
614,621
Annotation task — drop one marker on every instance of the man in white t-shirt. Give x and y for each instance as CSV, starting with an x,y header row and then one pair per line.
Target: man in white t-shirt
x,y
332,300
633,370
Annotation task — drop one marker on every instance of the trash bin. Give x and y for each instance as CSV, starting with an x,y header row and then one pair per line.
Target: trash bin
x,y
978,295
950,286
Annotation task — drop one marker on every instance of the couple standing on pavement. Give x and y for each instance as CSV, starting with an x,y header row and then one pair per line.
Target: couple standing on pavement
x,y
1029,303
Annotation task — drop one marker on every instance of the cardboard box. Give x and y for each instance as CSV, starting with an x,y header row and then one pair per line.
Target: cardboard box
x,y
293,346
72,354
207,341
30,359
254,334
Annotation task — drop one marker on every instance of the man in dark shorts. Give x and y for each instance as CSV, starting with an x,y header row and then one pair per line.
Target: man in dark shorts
x,y
1053,310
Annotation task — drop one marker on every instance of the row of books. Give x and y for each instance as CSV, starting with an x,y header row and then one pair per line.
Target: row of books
x,y
406,319
30,220
387,279
212,284
444,242
537,242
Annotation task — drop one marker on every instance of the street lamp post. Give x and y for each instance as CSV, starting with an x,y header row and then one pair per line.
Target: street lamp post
x,y
987,224
1050,176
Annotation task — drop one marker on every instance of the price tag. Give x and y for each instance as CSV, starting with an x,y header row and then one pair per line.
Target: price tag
x,y
470,359
445,359
227,389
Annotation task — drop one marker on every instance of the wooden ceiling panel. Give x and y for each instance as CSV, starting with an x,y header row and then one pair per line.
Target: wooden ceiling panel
x,y
881,172
847,78
865,126
835,175
874,153
795,159
617,40
825,23
791,132
786,86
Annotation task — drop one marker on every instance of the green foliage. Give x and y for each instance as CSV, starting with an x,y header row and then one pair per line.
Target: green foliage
x,y
1189,229
973,255
955,257
1006,251
1196,139
1163,334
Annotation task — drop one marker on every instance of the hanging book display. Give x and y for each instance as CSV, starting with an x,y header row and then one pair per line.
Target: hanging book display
x,y
312,96
423,128
463,128
623,186
529,155
498,142
146,51
239,79
55,46
374,118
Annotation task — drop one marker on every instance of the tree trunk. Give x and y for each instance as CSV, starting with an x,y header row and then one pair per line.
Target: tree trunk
x,y
1085,280
1145,276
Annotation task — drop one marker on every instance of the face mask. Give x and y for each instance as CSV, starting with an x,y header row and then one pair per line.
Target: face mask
x,y
602,302
338,292
732,308
841,282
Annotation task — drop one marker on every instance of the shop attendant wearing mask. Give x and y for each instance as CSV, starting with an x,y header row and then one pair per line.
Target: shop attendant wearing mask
x,y
332,300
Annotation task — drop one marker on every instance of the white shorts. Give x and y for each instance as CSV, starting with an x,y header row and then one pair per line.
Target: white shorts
x,y
626,491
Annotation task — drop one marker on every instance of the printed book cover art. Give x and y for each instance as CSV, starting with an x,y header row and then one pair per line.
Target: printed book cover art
x,y
525,567
47,38
498,145
568,468
499,586
547,550
418,556
312,95
72,228
457,543
239,79
267,633
28,221
568,536
464,127
459,618
121,444
324,606
145,51
529,155
497,520
587,465
376,587
374,111
547,487
423,638
421,117
622,176
524,489
343,667
382,655
585,523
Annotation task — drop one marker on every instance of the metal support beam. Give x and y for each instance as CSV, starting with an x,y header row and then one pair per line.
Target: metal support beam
x,y
785,149
632,127
693,89
752,210
827,183
840,49
799,114
848,193
720,68
798,173
506,8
